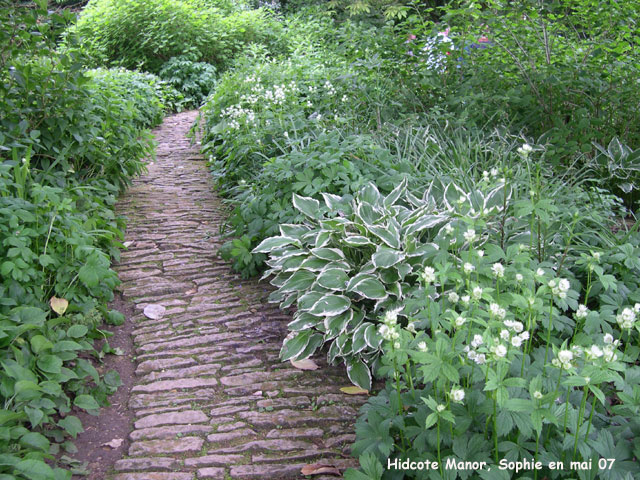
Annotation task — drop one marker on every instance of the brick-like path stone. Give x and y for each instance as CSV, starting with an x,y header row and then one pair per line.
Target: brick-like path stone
x,y
212,400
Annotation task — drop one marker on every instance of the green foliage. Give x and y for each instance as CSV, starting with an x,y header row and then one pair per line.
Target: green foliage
x,y
69,142
193,79
146,34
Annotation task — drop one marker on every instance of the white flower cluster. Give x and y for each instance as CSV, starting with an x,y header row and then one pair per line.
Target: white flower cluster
x,y
428,275
525,150
470,234
473,355
235,114
514,333
498,270
563,359
389,328
499,350
497,311
559,288
329,88
627,318
582,312
457,394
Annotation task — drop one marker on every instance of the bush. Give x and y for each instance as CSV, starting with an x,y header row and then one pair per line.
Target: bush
x,y
146,34
193,79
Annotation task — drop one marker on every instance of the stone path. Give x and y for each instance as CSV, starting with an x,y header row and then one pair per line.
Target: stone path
x,y
212,400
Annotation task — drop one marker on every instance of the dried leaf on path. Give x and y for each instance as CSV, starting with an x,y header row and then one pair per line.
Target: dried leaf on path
x,y
306,364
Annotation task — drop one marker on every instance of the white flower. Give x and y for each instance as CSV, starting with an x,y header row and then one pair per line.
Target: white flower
x,y
537,394
504,334
472,355
562,295
494,172
609,353
390,317
524,335
476,293
498,270
448,229
626,318
465,299
481,253
441,408
596,256
460,321
396,345
565,356
500,351
636,308
470,235
594,352
454,297
518,327
428,275
457,394
608,338
383,330
525,149
411,327
582,312
468,268
485,175
496,311
564,285
422,346
481,358
540,272
477,341
519,277
516,341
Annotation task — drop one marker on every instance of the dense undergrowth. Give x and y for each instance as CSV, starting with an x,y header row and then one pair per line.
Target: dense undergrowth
x,y
454,213
446,196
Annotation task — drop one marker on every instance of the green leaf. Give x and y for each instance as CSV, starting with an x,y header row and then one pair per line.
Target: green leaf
x,y
86,402
386,257
308,206
300,280
40,343
359,373
72,425
368,286
49,364
330,305
333,279
330,254
35,470
35,441
273,243
77,331
295,345
91,272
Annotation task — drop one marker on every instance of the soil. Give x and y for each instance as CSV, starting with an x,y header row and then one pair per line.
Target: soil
x,y
115,421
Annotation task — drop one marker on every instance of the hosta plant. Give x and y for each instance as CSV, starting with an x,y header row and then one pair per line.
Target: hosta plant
x,y
355,257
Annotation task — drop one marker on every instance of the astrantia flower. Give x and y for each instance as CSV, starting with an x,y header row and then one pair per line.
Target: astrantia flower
x,y
465,299
524,335
540,272
422,346
468,268
476,293
608,338
626,318
470,235
477,341
594,352
609,353
537,394
481,253
448,229
481,358
518,327
494,172
441,408
454,297
457,394
504,334
460,321
498,270
516,341
428,275
519,277
390,317
582,312
472,355
564,285
500,351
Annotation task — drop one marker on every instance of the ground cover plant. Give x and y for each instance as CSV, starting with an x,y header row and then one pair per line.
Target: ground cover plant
x,y
70,141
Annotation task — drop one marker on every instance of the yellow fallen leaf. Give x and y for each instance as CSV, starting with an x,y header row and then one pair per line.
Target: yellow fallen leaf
x,y
353,390
306,364
319,468
58,305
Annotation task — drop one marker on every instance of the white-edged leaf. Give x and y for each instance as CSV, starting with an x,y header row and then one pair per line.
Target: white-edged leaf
x,y
307,205
386,257
330,305
273,243
356,240
396,193
294,344
333,278
300,280
359,373
368,286
330,254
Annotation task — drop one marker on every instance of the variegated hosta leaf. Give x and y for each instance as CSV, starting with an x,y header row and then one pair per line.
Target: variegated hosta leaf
x,y
389,234
336,324
330,254
371,336
273,243
426,222
368,286
300,280
396,193
367,214
308,206
356,240
386,257
333,278
359,373
309,299
330,305
358,340
293,230
303,321
370,194
453,195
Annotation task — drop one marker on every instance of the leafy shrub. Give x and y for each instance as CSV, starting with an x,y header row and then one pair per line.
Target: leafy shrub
x,y
146,34
193,79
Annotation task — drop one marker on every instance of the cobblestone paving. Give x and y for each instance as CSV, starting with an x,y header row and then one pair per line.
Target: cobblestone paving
x,y
212,400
